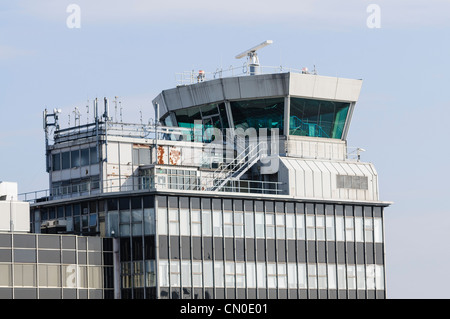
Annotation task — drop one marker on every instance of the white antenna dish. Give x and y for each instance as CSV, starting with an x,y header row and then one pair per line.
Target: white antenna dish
x,y
253,57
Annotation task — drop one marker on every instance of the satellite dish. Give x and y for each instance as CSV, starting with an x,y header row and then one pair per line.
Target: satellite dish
x,y
253,57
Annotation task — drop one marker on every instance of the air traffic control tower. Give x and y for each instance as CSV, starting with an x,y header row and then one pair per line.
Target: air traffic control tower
x,y
243,188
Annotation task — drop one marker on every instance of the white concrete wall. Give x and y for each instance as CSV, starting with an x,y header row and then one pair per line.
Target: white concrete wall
x,y
8,190
317,148
14,216
317,179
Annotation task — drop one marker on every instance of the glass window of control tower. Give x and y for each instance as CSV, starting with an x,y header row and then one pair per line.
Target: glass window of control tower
x,y
317,118
262,113
209,116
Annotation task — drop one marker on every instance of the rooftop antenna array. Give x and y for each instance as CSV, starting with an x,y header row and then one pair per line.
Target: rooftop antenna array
x,y
77,114
252,57
87,112
115,108
47,124
120,109
106,113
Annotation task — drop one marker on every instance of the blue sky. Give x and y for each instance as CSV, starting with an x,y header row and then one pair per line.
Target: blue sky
x,y
132,49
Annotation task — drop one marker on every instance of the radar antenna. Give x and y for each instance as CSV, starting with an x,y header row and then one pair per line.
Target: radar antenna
x,y
253,57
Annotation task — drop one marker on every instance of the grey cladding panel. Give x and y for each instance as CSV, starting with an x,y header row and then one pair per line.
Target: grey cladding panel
x,y
204,93
185,96
49,256
24,255
5,240
172,100
68,242
5,255
24,241
264,86
231,89
49,241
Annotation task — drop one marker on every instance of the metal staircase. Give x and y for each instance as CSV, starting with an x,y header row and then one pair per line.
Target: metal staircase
x,y
238,166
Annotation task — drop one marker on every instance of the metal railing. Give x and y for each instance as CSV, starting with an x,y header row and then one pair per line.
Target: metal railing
x,y
354,153
123,130
236,168
191,77
155,182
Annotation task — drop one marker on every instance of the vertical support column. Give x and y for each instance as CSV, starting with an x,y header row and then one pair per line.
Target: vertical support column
x,y
158,290
287,111
348,120
117,268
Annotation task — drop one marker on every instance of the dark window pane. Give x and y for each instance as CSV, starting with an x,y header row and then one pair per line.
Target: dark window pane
x,y
75,158
68,211
207,248
84,157
197,248
65,160
52,213
218,248
185,247
240,252
137,248
174,247
93,155
60,211
229,249
149,202
112,204
124,204
77,223
149,245
56,161
84,208
125,249
136,203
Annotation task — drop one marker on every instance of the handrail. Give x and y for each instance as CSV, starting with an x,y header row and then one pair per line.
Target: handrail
x,y
241,157
191,77
243,163
145,183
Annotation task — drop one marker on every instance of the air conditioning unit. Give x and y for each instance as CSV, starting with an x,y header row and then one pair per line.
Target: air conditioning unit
x,y
60,222
51,223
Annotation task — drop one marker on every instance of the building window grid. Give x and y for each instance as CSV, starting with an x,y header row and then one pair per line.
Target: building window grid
x,y
52,275
367,229
279,232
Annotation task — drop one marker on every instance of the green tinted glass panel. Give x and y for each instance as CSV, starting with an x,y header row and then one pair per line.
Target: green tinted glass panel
x,y
317,118
199,118
264,113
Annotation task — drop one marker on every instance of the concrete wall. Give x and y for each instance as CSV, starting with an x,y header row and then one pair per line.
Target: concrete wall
x,y
14,216
318,179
